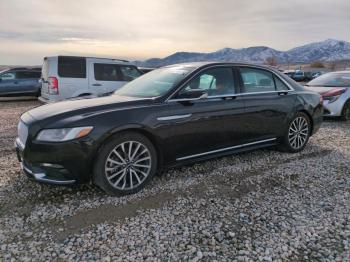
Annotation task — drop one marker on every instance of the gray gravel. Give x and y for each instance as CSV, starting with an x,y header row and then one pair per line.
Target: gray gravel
x,y
264,205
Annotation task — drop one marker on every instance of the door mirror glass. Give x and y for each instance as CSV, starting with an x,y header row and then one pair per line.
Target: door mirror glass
x,y
193,94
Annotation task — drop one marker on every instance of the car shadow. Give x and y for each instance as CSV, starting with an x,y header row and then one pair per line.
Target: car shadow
x,y
17,98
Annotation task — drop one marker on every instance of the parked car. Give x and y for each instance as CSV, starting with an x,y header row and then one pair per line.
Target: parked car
x,y
335,90
20,82
171,116
66,77
299,76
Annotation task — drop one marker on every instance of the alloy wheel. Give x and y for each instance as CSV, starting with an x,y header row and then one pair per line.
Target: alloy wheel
x,y
128,165
346,112
298,133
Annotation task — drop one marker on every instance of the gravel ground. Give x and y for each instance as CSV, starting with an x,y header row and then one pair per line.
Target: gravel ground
x,y
264,205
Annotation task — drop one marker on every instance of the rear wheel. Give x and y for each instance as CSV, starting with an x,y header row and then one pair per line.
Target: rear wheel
x,y
125,164
346,111
298,134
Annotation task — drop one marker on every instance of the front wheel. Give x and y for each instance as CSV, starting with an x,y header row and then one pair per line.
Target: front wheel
x,y
125,164
346,111
297,135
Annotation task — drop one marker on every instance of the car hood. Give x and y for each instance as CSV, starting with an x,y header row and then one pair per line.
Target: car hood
x,y
86,106
320,89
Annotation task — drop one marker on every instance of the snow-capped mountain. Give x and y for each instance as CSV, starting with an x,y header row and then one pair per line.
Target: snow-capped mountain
x,y
328,50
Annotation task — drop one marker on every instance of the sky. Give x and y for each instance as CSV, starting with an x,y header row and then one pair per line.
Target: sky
x,y
142,29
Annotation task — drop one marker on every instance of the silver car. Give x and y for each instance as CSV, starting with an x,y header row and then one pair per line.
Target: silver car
x,y
335,90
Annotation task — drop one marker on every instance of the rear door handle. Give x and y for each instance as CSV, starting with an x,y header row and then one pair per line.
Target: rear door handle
x,y
96,84
15,82
283,93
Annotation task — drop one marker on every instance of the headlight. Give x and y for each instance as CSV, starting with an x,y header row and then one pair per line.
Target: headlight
x,y
63,134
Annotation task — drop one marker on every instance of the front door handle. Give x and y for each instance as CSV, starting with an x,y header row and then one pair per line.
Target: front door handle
x,y
15,82
96,84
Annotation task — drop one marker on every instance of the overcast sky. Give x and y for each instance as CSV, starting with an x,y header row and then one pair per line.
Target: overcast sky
x,y
141,29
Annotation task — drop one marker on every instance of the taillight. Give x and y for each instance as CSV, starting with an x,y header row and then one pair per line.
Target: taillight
x,y
53,85
333,94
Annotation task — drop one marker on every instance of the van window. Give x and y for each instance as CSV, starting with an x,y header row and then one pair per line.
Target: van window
x,y
73,67
107,72
129,72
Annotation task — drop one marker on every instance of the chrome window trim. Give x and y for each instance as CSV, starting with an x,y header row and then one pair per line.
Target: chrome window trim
x,y
290,88
225,149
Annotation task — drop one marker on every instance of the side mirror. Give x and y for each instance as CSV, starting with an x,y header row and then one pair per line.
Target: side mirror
x,y
192,95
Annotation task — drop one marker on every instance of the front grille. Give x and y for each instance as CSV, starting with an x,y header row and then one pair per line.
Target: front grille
x,y
22,132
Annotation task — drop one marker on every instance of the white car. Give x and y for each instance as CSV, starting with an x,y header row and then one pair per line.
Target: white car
x,y
65,77
335,90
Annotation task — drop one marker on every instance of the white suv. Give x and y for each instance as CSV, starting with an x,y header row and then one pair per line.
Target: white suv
x,y
64,77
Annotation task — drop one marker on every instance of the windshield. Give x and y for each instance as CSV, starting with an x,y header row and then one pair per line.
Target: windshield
x,y
332,79
155,83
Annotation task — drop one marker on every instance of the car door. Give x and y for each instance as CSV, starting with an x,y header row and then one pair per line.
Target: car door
x,y
7,83
203,127
268,103
105,77
27,81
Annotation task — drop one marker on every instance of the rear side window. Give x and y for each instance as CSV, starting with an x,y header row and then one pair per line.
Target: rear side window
x,y
28,75
259,80
129,72
107,72
73,67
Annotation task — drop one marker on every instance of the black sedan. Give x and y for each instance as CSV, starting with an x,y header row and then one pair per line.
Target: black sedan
x,y
168,117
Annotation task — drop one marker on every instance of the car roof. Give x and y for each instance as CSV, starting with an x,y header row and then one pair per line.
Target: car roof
x,y
15,69
91,57
212,63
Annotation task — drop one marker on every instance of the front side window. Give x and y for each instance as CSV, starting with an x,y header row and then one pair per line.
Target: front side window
x,y
217,81
107,72
8,76
259,80
72,67
129,72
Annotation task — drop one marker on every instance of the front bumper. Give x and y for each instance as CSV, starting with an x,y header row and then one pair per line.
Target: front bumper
x,y
333,109
48,169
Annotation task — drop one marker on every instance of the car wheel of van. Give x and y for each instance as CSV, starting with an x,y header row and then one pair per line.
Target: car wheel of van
x,y
346,111
125,164
297,135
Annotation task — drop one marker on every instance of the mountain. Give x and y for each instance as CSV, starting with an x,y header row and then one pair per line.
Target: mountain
x,y
328,50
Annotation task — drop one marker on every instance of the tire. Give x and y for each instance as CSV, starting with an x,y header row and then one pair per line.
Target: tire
x,y
117,163
346,111
297,135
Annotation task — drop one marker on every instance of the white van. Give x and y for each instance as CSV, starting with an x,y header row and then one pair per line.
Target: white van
x,y
66,77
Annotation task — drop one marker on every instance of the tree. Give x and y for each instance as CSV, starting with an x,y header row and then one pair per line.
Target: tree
x,y
271,61
317,64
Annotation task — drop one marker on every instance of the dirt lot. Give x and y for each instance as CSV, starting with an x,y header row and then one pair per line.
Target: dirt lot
x,y
263,205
